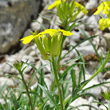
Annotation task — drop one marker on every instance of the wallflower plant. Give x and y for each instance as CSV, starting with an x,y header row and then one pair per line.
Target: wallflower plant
x,y
68,11
104,8
50,44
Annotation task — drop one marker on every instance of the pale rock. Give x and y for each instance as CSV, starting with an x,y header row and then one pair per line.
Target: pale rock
x,y
36,25
91,66
13,71
75,36
66,42
33,54
86,43
106,75
27,50
108,84
92,23
14,19
28,58
48,81
55,22
4,68
86,50
27,33
7,81
107,64
107,38
96,90
104,89
91,99
80,101
13,58
27,69
101,107
91,4
102,52
81,26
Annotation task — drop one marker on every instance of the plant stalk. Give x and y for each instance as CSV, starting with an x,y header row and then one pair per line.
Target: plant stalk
x,y
55,69
27,91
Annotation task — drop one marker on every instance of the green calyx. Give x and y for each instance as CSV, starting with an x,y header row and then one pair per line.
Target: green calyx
x,y
49,46
41,48
56,44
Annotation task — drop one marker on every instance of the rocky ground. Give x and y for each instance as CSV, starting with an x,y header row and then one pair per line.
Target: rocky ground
x,y
19,17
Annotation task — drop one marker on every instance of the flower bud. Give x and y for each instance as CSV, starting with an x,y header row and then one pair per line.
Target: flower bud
x,y
39,44
46,43
54,46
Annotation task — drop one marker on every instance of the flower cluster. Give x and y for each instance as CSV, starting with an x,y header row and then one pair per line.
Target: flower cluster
x,y
104,8
68,11
48,41
76,4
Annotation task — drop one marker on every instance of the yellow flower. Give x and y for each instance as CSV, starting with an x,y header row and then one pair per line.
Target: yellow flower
x,y
65,33
104,23
27,39
51,32
58,2
104,7
81,7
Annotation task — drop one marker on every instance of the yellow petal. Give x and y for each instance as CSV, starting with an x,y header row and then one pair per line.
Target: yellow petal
x,y
104,23
27,39
81,7
104,7
99,9
56,3
51,32
65,33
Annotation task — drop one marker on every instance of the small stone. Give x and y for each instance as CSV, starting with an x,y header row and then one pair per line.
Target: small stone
x,y
96,90
92,23
33,54
6,81
107,75
101,107
91,99
36,26
86,50
4,68
28,58
80,101
107,38
91,4
47,79
27,32
75,36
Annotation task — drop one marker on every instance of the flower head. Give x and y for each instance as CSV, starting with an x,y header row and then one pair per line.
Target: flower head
x,y
48,42
51,32
56,3
104,7
77,5
104,23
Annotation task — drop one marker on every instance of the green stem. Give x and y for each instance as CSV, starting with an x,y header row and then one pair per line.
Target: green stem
x,y
99,70
26,87
108,104
55,69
